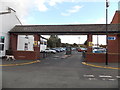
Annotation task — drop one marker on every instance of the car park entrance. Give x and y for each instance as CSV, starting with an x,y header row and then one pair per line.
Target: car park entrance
x,y
88,29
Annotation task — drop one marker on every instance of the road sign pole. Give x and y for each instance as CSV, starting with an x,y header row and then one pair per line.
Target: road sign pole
x,y
106,32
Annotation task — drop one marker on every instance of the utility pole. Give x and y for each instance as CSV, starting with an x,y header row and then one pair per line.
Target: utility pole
x,y
79,41
97,41
107,5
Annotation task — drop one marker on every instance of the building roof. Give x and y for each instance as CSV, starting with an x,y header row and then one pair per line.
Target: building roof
x,y
9,11
66,29
116,18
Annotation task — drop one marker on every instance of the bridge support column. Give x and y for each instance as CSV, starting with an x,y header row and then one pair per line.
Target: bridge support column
x,y
13,41
114,48
93,57
89,48
36,45
89,40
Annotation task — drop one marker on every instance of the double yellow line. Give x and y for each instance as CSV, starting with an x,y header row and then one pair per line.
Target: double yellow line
x,y
99,66
37,61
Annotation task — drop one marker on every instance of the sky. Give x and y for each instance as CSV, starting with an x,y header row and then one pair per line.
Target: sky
x,y
59,12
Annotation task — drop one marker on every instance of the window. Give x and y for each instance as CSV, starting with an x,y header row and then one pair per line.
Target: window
x,y
1,47
25,43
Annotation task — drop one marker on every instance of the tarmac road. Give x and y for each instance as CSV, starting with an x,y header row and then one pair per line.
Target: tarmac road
x,y
58,71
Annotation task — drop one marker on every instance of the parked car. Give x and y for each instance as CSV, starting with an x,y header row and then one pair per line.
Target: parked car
x,y
82,49
56,49
73,49
62,49
48,50
99,50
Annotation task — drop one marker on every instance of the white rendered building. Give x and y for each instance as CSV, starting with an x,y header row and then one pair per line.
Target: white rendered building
x,y
8,20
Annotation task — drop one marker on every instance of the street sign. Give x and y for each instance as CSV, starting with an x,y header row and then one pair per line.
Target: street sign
x,y
111,38
90,44
35,43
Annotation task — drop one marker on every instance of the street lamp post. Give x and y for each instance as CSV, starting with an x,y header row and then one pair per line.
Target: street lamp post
x,y
107,32
79,41
97,41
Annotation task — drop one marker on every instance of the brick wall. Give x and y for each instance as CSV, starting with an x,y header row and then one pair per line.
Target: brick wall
x,y
113,46
24,55
116,18
113,52
13,42
95,57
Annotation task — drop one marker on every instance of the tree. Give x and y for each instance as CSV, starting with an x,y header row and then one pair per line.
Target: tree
x,y
63,44
58,43
75,45
86,43
54,41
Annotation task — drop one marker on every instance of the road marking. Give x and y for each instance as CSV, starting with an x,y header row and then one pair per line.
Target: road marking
x,y
105,76
56,56
118,76
65,56
88,75
92,78
37,61
99,66
111,79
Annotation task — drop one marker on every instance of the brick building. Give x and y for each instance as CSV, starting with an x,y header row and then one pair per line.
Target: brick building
x,y
116,18
113,45
81,29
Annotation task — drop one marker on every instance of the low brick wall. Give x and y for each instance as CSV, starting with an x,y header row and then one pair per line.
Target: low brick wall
x,y
95,57
101,57
114,57
26,55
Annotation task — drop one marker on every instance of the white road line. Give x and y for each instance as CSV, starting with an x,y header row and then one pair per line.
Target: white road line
x,y
111,79
88,75
92,78
56,56
118,76
105,76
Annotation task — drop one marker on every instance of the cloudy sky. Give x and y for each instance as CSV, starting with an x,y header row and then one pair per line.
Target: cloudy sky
x,y
42,12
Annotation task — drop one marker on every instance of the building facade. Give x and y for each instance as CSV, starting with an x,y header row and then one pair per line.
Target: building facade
x,y
8,20
113,45
31,49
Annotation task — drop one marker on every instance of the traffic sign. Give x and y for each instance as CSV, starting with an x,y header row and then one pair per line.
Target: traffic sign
x,y
111,38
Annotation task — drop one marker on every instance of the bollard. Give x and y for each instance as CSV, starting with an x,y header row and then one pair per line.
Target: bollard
x,y
83,55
